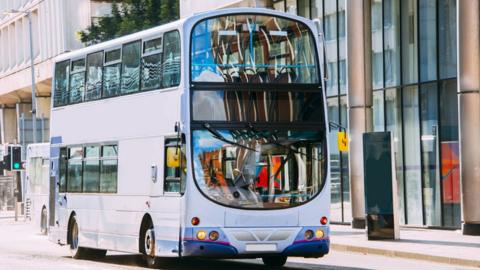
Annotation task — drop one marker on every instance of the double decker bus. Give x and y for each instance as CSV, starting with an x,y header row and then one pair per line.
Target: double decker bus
x,y
205,137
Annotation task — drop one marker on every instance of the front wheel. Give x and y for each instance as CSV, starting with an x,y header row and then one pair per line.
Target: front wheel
x,y
149,257
274,262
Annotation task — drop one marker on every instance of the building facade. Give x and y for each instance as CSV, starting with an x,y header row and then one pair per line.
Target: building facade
x,y
54,27
55,24
414,96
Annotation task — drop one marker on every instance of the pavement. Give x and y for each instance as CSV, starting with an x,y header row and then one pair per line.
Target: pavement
x,y
22,247
439,246
7,214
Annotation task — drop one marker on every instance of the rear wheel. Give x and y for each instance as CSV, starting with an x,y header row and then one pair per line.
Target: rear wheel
x,y
43,221
76,251
274,262
148,251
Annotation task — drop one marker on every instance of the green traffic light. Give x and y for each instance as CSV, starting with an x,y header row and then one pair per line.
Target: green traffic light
x,y
16,166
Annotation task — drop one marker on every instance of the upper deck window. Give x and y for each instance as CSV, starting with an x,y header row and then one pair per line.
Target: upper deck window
x,y
251,48
61,83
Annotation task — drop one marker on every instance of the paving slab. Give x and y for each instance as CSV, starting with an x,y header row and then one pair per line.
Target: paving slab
x,y
441,246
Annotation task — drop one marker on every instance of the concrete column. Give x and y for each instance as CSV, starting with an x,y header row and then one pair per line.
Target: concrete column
x,y
8,118
469,112
43,107
359,74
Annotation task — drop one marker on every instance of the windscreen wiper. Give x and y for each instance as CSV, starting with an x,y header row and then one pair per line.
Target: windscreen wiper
x,y
219,136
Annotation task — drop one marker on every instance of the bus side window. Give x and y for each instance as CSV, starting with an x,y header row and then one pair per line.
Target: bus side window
x,y
62,74
171,59
174,164
109,169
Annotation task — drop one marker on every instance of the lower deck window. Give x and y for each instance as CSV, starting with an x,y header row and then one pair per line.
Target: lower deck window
x,y
89,169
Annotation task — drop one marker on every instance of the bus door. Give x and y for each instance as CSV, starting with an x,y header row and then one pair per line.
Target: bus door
x,y
168,223
57,197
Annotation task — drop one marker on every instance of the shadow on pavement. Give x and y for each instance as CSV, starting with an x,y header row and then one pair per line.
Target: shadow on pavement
x,y
203,264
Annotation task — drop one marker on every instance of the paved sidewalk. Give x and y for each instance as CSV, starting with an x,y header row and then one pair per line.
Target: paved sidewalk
x,y
7,214
440,246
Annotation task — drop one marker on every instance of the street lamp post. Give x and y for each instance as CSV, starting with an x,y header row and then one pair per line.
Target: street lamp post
x,y
32,68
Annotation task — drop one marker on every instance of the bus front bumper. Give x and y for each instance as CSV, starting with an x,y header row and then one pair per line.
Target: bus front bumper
x,y
228,244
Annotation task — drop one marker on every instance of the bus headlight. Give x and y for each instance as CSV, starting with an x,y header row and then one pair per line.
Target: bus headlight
x,y
308,235
213,236
319,234
201,235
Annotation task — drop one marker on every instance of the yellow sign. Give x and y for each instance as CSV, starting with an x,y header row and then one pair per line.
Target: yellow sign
x,y
342,141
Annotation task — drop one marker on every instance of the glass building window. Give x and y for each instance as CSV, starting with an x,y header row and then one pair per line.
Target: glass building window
x,y
428,40
131,55
413,177
303,8
342,47
391,42
347,208
409,41
331,57
447,31
94,76
393,123
378,111
335,168
430,155
450,159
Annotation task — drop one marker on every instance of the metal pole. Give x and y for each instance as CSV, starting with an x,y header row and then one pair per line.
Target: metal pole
x,y
32,67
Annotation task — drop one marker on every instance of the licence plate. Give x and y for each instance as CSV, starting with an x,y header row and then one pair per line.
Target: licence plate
x,y
261,247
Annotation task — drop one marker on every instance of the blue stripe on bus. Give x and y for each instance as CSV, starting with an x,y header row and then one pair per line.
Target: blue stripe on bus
x,y
56,140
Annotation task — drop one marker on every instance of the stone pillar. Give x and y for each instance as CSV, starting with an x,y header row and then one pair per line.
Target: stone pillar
x,y
469,112
8,118
359,74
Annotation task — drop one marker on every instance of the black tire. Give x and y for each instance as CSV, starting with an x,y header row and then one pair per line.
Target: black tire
x,y
274,262
148,243
76,251
43,221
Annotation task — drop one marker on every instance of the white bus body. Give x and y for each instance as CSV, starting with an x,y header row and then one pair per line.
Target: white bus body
x,y
116,189
37,175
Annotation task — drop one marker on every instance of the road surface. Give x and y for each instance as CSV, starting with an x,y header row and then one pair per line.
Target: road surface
x,y
23,248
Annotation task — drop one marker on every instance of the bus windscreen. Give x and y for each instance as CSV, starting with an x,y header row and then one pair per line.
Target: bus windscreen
x,y
252,48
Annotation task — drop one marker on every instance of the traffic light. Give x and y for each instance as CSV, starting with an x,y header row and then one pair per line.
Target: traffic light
x,y
16,158
13,160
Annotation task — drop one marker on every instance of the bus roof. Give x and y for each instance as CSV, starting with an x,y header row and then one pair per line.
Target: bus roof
x,y
152,32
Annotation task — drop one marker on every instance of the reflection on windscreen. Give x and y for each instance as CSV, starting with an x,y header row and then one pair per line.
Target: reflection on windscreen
x,y
253,49
252,169
258,106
